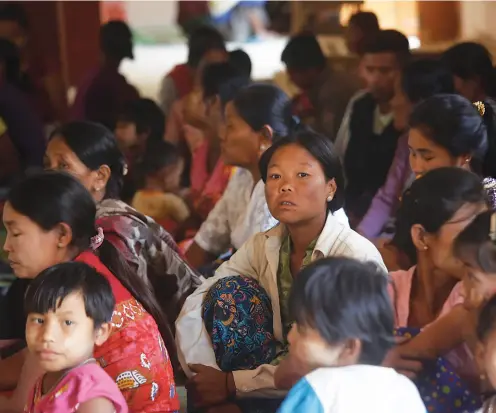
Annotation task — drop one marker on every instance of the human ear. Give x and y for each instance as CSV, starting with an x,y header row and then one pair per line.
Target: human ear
x,y
102,333
350,352
102,176
419,238
331,189
64,235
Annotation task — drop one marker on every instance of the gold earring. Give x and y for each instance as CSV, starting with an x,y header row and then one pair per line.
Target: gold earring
x,y
60,245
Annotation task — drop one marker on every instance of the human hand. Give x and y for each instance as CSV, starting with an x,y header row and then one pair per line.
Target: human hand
x,y
210,386
403,361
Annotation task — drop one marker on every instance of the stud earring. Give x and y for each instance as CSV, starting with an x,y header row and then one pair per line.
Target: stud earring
x,y
426,247
329,198
60,245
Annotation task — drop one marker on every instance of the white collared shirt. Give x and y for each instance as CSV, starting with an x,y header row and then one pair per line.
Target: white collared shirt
x,y
259,258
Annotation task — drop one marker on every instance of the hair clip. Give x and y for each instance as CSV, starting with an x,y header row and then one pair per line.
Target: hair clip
x,y
492,227
481,108
97,240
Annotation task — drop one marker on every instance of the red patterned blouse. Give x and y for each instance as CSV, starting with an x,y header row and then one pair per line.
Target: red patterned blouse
x,y
135,355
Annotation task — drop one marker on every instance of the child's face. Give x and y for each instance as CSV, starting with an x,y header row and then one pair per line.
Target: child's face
x,y
126,134
65,338
479,286
171,176
486,358
312,351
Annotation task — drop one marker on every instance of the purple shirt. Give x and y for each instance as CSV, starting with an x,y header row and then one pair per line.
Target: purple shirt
x,y
387,198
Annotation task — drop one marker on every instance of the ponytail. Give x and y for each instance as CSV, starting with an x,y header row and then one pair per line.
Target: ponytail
x,y
116,264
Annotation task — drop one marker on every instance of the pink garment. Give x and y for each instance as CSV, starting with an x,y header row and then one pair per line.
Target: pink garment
x,y
80,385
401,291
461,358
201,181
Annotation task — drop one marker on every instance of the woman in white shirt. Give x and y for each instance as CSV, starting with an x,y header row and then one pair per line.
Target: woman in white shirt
x,y
258,115
238,320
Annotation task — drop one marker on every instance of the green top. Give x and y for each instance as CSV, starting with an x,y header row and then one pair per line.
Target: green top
x,y
284,285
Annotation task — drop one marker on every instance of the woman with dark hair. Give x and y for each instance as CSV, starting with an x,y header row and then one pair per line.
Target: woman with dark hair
x,y
253,117
419,80
471,65
239,319
50,219
445,131
437,207
90,152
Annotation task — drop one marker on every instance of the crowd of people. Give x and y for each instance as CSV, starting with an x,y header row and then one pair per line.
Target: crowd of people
x,y
331,252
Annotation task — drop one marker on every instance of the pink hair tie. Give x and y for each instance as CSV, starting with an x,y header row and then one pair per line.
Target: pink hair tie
x,y
97,240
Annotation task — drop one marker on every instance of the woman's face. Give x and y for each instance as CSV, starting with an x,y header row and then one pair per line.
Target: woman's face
x,y
30,248
401,106
440,245
296,187
426,155
60,157
240,145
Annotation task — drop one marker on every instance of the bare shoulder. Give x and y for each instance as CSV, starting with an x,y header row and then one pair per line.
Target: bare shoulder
x,y
96,405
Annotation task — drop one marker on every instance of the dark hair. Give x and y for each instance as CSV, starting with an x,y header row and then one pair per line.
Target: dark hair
x,y
345,299
470,60
322,150
452,122
432,200
389,41
147,116
47,291
158,155
487,320
303,52
51,198
116,40
426,77
202,40
13,12
231,87
474,244
95,146
241,61
216,74
365,21
262,104
11,60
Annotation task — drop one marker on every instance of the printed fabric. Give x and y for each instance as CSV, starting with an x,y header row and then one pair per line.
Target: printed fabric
x,y
150,250
80,385
440,387
134,355
237,313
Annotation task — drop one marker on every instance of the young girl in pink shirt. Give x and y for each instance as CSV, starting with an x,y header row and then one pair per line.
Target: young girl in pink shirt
x,y
70,307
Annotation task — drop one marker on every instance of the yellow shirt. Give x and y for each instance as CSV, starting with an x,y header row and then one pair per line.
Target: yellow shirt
x,y
160,205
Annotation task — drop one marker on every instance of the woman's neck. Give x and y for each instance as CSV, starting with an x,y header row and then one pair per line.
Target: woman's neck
x,y
432,286
302,234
